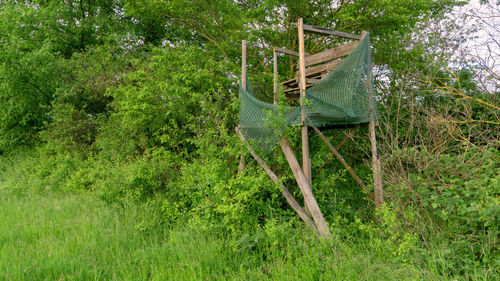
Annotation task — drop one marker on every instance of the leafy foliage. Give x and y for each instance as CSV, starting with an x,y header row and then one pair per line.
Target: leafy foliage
x,y
136,102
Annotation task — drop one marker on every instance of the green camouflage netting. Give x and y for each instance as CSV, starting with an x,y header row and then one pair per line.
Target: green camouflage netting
x,y
344,97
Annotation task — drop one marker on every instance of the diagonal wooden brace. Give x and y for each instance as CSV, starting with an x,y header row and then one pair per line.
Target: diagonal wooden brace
x,y
305,188
347,136
288,196
349,169
339,146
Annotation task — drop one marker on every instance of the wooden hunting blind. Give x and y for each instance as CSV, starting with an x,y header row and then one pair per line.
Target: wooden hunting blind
x,y
335,89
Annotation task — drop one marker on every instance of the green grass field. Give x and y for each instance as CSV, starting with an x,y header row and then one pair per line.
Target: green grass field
x,y
78,237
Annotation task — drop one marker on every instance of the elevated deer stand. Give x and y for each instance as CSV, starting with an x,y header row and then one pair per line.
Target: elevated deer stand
x,y
311,70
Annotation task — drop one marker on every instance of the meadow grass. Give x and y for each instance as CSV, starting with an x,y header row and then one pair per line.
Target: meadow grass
x,y
79,237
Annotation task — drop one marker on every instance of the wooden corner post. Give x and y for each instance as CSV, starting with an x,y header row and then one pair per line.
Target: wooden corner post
x,y
377,170
306,161
244,64
241,165
275,76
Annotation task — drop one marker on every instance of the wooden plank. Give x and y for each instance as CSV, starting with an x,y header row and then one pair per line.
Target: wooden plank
x,y
293,83
326,31
292,90
285,51
284,191
296,89
305,188
331,54
312,81
341,159
306,160
315,70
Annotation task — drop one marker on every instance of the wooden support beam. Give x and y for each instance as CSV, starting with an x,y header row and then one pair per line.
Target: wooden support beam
x,y
293,83
296,90
241,165
244,64
288,83
275,76
377,172
339,146
347,136
315,70
305,188
306,161
326,31
284,191
341,159
312,72
285,51
292,90
331,54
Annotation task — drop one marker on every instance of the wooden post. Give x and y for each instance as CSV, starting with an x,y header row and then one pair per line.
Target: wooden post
x,y
341,159
305,188
377,172
284,191
241,165
306,161
244,64
275,76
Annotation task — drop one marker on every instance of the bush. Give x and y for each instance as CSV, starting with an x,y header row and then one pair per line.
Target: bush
x,y
451,202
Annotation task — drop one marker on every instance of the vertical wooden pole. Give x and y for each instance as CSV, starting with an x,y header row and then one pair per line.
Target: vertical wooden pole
x,y
241,165
306,161
244,64
275,76
377,171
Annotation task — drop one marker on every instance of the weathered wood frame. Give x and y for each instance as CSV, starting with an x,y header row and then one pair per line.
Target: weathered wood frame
x,y
323,59
326,31
311,214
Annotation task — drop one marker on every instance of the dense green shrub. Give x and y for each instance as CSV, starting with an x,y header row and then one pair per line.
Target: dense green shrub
x,y
136,102
451,202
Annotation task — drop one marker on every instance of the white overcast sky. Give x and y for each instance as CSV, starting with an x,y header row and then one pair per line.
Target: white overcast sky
x,y
485,46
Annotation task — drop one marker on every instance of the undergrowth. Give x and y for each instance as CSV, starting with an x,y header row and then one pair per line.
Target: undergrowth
x,y
59,236
241,225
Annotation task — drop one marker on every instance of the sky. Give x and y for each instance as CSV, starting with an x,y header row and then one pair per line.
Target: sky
x,y
484,46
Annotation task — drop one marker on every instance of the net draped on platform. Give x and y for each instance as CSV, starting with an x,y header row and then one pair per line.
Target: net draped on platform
x,y
344,97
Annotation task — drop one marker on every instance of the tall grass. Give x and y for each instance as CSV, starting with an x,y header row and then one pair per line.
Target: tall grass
x,y
78,237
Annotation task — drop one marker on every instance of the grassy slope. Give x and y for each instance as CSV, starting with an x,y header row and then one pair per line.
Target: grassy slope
x,y
77,237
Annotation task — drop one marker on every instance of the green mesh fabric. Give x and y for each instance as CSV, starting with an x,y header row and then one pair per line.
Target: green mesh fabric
x,y
344,97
